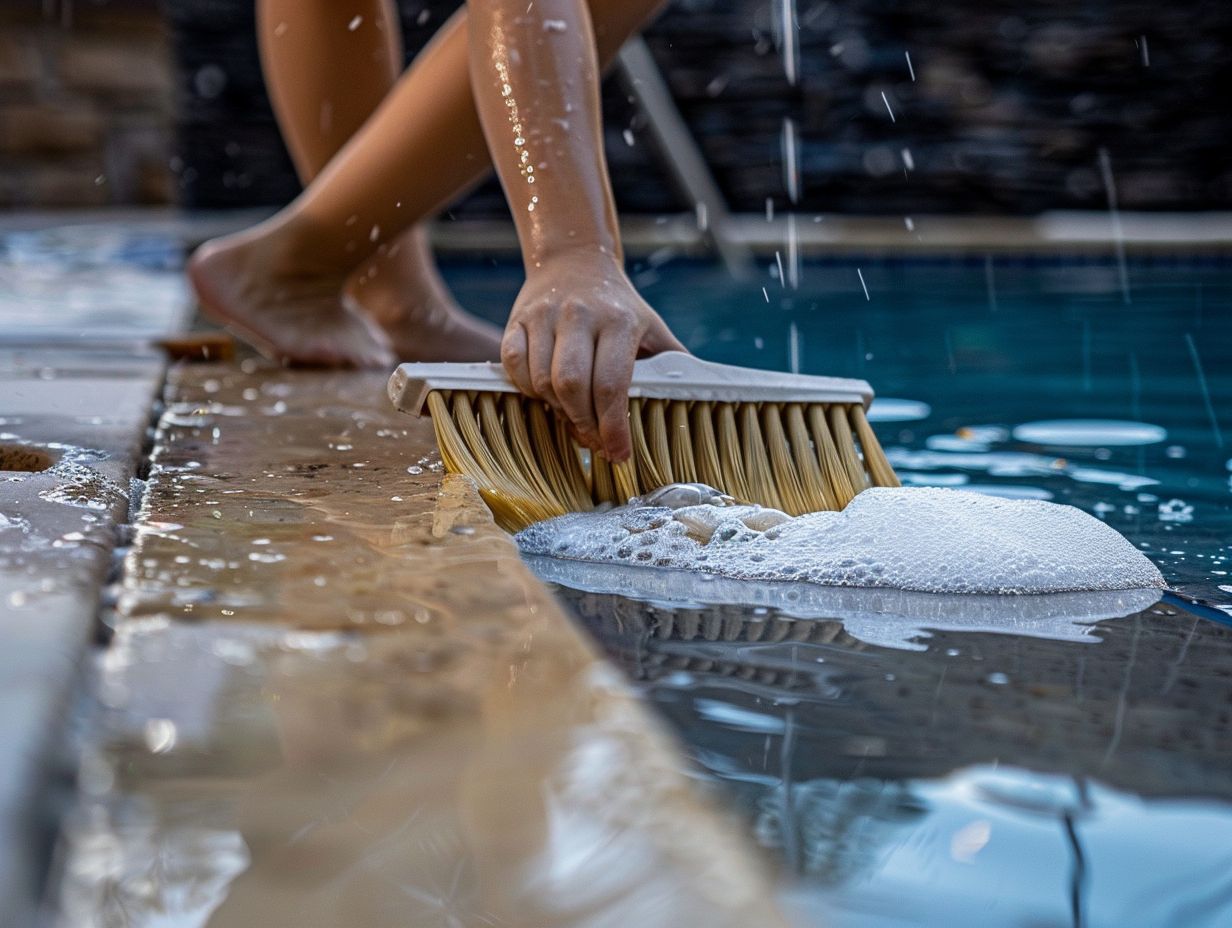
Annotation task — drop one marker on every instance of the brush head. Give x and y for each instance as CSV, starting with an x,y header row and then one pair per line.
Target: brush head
x,y
672,375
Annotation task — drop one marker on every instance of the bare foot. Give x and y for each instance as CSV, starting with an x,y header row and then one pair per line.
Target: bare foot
x,y
402,291
290,317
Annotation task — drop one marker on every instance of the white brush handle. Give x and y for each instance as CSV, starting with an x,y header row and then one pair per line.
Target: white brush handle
x,y
672,375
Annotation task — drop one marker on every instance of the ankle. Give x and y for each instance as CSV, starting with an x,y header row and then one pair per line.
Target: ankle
x,y
288,245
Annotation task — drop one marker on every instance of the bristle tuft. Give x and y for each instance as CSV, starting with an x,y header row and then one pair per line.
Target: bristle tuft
x,y
795,457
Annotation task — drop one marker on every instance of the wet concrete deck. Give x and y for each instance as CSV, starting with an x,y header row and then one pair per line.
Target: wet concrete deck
x,y
77,383
336,696
71,428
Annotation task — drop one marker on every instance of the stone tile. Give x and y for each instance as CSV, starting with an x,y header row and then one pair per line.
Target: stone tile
x,y
80,416
337,696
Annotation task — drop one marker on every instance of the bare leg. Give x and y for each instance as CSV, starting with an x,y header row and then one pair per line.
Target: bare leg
x,y
421,147
328,67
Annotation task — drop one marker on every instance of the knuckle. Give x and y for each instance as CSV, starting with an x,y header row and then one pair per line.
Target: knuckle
x,y
512,352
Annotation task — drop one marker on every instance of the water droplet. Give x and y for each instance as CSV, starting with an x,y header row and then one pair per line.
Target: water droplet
x,y
160,735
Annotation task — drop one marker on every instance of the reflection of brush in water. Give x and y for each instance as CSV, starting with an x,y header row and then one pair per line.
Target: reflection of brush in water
x,y
729,623
706,641
689,605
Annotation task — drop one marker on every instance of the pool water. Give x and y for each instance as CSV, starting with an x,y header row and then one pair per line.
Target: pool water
x,y
942,772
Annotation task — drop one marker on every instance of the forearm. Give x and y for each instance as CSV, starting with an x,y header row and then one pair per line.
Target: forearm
x,y
535,74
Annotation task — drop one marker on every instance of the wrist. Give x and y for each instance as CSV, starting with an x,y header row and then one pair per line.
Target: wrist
x,y
591,256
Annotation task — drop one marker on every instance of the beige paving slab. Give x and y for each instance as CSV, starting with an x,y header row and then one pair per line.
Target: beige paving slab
x,y
337,697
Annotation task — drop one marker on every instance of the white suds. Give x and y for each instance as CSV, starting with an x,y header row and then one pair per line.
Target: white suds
x,y
922,539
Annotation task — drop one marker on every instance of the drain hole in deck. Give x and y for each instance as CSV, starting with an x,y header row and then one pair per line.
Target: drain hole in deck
x,y
23,459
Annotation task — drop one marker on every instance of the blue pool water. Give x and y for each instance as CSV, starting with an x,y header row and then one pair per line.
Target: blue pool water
x,y
938,773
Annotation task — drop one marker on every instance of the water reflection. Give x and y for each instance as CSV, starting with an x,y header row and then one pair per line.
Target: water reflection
x,y
240,775
886,617
979,779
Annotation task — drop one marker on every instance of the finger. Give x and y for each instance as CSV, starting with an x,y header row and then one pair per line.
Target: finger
x,y
613,371
514,356
572,364
539,342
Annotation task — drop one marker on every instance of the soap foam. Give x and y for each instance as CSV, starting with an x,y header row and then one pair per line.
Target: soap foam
x,y
920,539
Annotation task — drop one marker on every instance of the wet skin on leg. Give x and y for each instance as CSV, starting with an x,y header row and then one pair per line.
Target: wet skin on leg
x,y
328,67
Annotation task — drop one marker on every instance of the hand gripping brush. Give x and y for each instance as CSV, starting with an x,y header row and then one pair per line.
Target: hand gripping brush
x,y
789,441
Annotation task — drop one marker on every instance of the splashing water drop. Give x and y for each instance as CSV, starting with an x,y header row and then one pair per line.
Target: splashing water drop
x,y
788,37
889,109
791,160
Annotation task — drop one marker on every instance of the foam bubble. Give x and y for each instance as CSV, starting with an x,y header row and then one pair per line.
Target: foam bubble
x,y
922,539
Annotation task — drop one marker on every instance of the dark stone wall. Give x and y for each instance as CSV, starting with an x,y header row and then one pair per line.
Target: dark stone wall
x,y
1010,106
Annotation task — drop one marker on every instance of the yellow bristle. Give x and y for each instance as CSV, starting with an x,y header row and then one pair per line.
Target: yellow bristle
x,y
756,461
493,437
681,443
730,459
468,428
655,430
874,458
648,476
705,448
831,464
840,429
795,457
543,441
520,444
509,505
571,464
782,466
818,495
624,474
602,481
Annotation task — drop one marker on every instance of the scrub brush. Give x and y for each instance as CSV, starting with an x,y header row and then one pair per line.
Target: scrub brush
x,y
788,441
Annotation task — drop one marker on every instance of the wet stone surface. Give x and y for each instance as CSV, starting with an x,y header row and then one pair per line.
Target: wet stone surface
x,y
336,696
72,423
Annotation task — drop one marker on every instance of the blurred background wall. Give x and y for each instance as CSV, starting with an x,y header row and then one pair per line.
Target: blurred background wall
x,y
86,104
998,107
